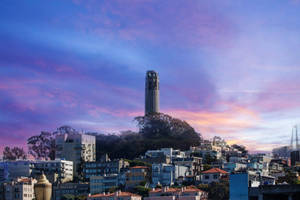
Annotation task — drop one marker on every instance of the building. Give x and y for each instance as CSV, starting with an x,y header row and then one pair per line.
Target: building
x,y
244,186
20,188
100,168
169,152
10,170
167,174
136,175
115,196
184,193
100,184
76,189
295,158
152,93
55,170
234,166
213,175
194,164
77,148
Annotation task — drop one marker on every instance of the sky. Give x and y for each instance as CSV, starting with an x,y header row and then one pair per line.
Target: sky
x,y
229,68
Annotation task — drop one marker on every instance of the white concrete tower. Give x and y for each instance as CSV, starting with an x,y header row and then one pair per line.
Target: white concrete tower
x,y
151,93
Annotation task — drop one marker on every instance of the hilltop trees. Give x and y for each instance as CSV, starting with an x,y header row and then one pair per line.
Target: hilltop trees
x,y
155,131
42,146
13,153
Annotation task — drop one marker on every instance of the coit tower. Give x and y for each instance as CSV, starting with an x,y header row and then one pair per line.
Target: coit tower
x,y
151,93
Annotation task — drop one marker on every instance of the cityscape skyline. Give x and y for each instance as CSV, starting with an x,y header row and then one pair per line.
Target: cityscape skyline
x,y
229,69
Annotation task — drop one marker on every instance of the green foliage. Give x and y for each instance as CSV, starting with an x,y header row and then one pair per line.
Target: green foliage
x,y
206,167
155,131
218,191
141,190
133,163
42,146
208,159
204,187
14,153
290,178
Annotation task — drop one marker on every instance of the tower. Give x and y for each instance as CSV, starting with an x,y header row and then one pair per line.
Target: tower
x,y
151,93
295,140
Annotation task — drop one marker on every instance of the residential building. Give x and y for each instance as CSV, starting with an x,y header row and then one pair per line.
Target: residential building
x,y
232,166
115,196
244,186
69,188
184,193
99,184
10,170
55,170
99,168
77,148
194,164
214,175
167,174
169,152
136,175
295,158
19,189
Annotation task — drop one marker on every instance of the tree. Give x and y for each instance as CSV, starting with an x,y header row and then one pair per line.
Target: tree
x,y
42,146
218,191
241,148
13,153
161,130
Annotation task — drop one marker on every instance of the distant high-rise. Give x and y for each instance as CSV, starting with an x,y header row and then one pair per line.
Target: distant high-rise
x,y
151,93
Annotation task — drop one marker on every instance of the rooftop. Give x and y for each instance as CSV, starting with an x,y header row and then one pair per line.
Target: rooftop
x,y
214,171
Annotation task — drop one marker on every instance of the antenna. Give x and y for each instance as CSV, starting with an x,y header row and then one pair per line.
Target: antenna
x,y
297,145
292,138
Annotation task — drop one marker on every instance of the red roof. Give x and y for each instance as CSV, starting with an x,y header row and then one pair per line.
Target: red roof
x,y
185,189
120,194
215,171
139,167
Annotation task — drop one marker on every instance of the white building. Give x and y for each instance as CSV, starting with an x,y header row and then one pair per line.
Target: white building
x,y
55,170
20,189
167,174
169,152
76,147
99,184
214,175
14,169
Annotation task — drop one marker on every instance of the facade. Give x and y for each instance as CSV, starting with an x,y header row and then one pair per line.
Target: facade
x,y
70,188
184,193
295,158
99,168
152,93
13,169
167,174
194,164
136,175
213,175
19,189
55,170
244,186
100,184
115,196
77,148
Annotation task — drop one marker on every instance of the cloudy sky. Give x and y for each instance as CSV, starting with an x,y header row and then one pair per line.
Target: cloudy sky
x,y
230,68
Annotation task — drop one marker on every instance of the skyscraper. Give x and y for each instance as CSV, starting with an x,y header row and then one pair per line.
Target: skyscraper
x,y
151,93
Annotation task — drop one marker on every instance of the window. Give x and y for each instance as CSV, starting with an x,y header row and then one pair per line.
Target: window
x,y
206,177
215,176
